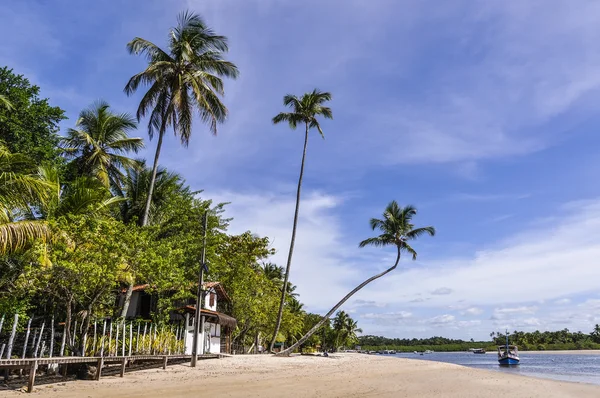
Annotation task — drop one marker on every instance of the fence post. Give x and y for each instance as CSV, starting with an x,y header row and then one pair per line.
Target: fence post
x,y
144,342
137,340
64,340
39,340
109,338
11,339
94,350
117,340
102,338
130,337
124,338
26,338
51,353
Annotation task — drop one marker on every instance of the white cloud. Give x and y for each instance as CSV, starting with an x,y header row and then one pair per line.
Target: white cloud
x,y
442,291
320,269
562,301
441,320
472,311
553,258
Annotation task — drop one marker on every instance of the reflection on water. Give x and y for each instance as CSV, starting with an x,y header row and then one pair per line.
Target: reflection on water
x,y
567,367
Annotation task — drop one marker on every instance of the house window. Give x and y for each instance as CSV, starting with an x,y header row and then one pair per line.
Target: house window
x,y
212,299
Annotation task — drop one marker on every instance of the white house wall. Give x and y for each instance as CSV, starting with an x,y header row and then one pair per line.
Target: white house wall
x,y
213,343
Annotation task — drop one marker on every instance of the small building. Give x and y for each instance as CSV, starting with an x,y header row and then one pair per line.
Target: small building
x,y
215,338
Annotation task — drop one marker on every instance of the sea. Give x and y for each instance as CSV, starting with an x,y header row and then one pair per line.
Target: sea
x,y
566,367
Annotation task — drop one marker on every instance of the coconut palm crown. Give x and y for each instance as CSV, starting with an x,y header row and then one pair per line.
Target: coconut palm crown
x,y
397,229
305,110
100,142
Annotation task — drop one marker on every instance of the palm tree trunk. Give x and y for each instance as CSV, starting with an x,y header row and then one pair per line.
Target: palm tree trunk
x,y
127,301
315,328
292,242
152,179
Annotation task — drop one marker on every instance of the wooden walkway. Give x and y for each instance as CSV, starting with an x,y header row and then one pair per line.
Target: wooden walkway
x,y
33,363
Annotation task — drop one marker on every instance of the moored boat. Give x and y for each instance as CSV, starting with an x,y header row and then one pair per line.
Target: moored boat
x,y
508,354
478,351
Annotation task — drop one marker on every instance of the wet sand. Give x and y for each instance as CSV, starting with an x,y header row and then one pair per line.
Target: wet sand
x,y
340,375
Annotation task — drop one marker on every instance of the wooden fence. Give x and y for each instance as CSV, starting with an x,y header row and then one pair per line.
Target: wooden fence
x,y
29,343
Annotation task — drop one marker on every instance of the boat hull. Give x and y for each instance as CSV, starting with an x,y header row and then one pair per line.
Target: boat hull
x,y
508,361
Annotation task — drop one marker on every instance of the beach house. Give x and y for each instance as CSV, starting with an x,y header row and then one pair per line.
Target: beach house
x,y
213,338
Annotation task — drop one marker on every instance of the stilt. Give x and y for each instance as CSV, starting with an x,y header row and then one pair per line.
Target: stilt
x,y
123,363
165,361
99,368
32,370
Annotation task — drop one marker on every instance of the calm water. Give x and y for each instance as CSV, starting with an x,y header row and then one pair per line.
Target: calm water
x,y
567,367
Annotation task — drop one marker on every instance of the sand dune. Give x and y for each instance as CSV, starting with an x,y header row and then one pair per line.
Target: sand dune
x,y
340,375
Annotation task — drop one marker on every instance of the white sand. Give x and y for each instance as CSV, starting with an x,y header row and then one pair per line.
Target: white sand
x,y
340,375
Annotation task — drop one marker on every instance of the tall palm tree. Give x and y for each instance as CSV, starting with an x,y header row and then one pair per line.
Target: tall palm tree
x,y
304,110
20,186
396,229
184,78
100,142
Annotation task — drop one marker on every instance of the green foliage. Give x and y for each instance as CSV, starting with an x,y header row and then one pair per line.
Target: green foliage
x,y
99,145
30,125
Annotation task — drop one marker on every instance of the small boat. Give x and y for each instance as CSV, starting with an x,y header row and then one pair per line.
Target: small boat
x,y
428,352
508,354
478,351
416,352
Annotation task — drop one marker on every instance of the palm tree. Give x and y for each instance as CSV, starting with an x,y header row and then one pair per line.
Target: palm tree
x,y
304,111
396,230
135,189
20,186
99,144
184,78
84,195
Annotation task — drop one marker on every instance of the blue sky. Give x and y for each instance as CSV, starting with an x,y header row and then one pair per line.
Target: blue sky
x,y
481,114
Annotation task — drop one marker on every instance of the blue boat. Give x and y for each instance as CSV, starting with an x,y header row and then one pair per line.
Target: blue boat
x,y
508,354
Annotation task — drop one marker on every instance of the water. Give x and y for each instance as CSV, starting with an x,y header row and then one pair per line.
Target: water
x,y
566,367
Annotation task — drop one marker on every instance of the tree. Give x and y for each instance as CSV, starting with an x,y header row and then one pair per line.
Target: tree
x,y
396,230
184,78
134,190
30,125
99,144
304,111
20,186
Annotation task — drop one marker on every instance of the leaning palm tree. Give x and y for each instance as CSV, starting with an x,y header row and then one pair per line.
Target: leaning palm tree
x,y
304,110
100,142
184,78
20,186
396,229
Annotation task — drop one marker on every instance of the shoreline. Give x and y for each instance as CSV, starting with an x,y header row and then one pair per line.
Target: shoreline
x,y
339,375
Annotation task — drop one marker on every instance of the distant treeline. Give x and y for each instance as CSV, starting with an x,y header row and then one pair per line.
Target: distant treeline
x,y
533,341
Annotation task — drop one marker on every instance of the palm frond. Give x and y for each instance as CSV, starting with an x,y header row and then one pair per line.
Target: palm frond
x,y
17,235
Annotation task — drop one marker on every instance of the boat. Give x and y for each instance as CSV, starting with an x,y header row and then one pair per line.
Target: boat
x,y
508,354
428,352
478,351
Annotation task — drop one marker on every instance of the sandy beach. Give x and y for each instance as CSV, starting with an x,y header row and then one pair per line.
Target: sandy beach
x,y
340,375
